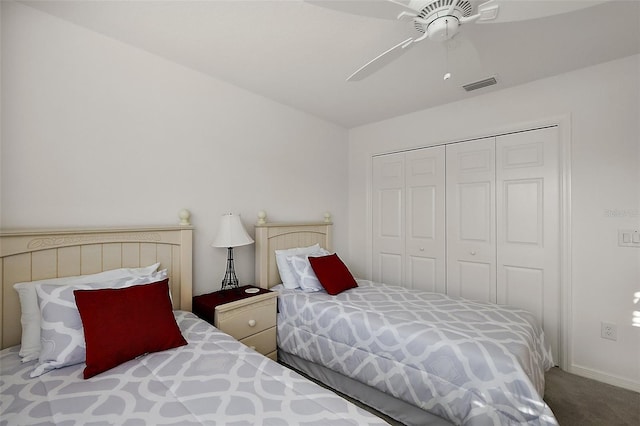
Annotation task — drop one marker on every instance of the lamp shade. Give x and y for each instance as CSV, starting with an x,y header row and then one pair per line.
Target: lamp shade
x,y
231,233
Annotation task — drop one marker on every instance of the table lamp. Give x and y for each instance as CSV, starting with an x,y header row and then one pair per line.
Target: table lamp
x,y
231,234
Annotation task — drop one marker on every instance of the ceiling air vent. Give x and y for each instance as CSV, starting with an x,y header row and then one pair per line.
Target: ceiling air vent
x,y
480,84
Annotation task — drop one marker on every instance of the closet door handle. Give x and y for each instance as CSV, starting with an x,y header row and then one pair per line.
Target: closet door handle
x,y
473,253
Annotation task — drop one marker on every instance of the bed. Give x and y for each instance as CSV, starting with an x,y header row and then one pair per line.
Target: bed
x,y
208,378
421,358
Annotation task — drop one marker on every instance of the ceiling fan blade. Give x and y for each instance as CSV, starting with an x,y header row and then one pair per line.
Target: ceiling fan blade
x,y
381,60
385,9
496,11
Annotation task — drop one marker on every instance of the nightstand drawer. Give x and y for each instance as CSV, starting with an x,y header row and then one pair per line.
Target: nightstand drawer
x,y
247,320
263,342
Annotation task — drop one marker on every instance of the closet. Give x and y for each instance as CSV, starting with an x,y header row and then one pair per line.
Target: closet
x,y
477,219
409,219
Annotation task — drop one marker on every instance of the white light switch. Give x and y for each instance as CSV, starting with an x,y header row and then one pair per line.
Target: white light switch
x,y
629,238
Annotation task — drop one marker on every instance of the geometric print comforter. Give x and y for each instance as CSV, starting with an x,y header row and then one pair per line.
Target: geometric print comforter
x,y
213,380
472,363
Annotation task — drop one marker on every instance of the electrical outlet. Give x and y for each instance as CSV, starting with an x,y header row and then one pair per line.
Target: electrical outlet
x,y
608,331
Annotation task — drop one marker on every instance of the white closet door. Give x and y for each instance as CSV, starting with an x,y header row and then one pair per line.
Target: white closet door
x,y
425,219
388,219
528,230
471,246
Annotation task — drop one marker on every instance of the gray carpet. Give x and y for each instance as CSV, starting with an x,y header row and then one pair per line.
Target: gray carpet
x,y
580,401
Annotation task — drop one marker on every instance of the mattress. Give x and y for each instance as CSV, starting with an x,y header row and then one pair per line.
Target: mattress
x,y
213,380
468,362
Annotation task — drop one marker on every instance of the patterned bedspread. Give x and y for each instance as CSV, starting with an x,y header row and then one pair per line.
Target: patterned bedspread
x,y
213,380
469,362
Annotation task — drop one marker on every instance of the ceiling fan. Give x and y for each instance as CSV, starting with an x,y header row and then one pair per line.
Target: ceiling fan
x,y
441,20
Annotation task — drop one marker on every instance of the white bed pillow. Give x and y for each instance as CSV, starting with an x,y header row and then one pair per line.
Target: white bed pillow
x,y
62,335
305,277
30,313
284,268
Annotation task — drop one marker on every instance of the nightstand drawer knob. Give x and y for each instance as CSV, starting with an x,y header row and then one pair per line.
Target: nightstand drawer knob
x,y
252,323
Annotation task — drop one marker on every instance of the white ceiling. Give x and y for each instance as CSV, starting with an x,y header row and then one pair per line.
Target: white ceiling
x,y
300,54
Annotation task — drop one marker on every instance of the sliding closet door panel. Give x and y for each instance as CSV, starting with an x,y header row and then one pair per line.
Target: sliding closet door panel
x,y
527,182
476,280
425,219
422,274
475,211
471,248
388,219
390,213
523,287
523,212
390,268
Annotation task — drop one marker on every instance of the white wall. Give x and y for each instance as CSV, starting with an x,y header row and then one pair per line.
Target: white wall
x,y
602,107
98,133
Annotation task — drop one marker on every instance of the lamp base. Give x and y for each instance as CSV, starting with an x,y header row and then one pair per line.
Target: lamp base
x,y
230,280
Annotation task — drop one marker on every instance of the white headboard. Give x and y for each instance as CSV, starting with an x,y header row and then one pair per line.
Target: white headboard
x,y
30,255
272,236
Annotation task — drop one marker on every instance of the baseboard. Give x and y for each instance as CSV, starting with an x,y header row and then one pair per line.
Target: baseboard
x,y
610,379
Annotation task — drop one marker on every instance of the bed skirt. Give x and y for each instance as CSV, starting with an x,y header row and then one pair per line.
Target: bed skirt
x,y
386,404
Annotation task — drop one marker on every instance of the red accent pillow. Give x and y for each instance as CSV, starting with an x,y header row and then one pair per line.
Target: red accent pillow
x,y
124,323
332,273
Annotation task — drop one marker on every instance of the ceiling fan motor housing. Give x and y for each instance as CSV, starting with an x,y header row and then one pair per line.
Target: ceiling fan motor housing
x,y
442,29
435,19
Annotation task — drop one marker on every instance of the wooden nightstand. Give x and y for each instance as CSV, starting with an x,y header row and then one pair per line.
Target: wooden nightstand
x,y
249,317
